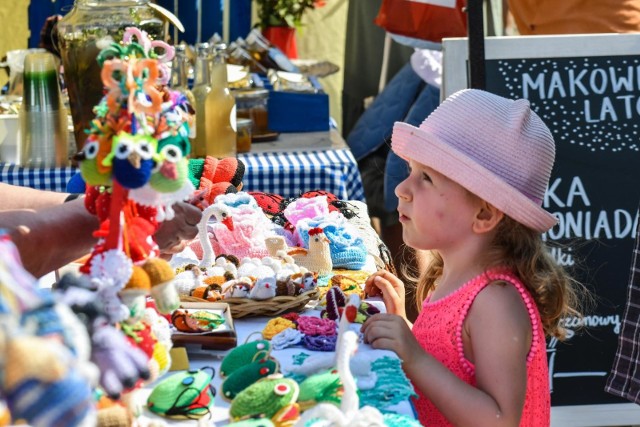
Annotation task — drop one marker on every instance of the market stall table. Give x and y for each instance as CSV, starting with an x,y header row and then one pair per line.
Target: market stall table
x,y
245,327
295,163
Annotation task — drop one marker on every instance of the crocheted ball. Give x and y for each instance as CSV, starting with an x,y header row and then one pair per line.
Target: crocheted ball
x,y
266,397
159,271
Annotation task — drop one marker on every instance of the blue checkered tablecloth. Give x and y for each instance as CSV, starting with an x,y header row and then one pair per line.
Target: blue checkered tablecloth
x,y
284,173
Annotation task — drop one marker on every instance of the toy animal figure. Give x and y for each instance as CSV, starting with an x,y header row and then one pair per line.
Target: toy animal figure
x,y
169,182
91,168
132,159
264,288
318,257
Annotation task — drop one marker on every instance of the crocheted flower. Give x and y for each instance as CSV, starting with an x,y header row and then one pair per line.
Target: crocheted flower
x,y
275,326
313,326
287,338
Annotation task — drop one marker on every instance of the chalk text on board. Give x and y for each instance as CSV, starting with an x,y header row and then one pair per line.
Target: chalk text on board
x,y
571,82
571,206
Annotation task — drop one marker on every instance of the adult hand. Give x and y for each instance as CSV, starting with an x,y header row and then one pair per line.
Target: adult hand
x,y
390,288
391,332
173,236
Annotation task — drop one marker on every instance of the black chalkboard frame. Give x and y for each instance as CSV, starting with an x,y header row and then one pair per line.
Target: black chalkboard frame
x,y
501,52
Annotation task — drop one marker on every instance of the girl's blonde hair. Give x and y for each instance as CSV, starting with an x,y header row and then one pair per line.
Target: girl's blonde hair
x,y
523,251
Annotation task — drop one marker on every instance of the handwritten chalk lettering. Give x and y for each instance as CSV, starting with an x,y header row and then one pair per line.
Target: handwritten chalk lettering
x,y
573,323
571,82
576,190
611,109
562,257
618,224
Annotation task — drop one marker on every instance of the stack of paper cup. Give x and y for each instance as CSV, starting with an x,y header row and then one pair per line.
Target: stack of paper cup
x,y
43,118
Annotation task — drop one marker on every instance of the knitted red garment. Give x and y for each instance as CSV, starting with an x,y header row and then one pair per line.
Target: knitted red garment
x,y
439,331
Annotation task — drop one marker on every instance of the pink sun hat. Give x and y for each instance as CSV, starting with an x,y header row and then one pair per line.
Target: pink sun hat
x,y
497,148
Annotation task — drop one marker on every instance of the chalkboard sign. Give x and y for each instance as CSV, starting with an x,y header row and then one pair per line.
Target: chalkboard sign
x,y
587,90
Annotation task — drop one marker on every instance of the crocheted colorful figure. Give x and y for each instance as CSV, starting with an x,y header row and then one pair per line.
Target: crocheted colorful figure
x,y
132,159
247,375
243,355
318,257
215,177
183,395
90,159
273,397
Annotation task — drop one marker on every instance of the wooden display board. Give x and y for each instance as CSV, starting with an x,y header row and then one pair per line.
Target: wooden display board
x,y
587,90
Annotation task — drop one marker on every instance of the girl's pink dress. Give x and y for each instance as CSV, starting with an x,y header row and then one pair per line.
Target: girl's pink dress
x,y
439,331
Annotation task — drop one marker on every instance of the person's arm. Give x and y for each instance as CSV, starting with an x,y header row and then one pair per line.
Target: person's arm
x,y
50,237
15,197
499,331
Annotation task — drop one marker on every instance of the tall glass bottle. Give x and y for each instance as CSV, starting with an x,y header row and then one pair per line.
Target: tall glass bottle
x,y
88,27
180,73
220,110
201,89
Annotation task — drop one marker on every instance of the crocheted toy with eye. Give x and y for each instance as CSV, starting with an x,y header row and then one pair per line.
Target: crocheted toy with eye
x,y
183,395
132,159
90,159
273,397
245,365
318,257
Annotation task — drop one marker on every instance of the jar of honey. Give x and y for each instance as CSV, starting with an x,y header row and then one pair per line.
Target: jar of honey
x,y
243,135
252,104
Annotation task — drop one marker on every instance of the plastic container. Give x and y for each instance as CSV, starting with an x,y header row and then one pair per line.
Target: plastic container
x,y
43,118
243,135
252,104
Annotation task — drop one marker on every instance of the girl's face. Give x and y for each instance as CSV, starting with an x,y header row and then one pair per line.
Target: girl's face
x,y
435,212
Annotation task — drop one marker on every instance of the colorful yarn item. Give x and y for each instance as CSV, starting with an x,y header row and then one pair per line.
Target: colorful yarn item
x,y
275,326
313,326
392,385
266,398
183,395
243,355
287,338
322,387
247,375
320,342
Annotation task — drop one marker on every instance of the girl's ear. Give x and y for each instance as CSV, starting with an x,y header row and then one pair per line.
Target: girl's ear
x,y
487,218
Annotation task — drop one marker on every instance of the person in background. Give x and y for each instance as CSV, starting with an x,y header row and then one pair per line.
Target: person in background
x,y
53,229
536,17
479,168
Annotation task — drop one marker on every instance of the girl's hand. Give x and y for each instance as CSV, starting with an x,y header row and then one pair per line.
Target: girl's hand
x,y
390,288
391,332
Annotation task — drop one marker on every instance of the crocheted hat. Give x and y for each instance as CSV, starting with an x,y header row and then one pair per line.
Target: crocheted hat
x,y
497,148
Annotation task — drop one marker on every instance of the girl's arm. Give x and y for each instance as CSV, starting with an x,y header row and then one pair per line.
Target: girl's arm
x,y
498,333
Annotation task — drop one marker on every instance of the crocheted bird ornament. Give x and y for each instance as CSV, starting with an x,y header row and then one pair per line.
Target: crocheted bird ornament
x,y
132,158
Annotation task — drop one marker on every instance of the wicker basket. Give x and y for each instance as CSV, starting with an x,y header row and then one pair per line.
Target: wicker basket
x,y
272,307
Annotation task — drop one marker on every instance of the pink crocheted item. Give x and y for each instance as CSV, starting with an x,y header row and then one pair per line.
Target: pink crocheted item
x,y
313,326
438,329
306,208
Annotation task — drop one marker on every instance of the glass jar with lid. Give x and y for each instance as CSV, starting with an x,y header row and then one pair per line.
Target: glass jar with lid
x,y
252,104
89,27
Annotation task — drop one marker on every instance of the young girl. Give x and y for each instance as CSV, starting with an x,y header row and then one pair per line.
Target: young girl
x,y
479,167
